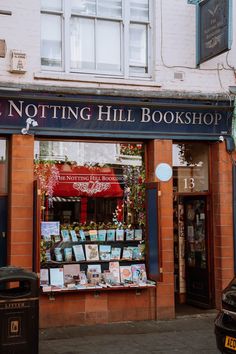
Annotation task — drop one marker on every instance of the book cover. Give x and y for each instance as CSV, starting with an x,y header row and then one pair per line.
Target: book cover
x,y
48,256
142,250
56,238
114,269
120,234
49,228
57,276
83,278
127,253
102,235
68,254
44,276
91,252
73,235
93,234
138,272
125,274
65,235
94,268
105,252
111,235
79,253
129,234
71,273
82,235
136,253
115,252
58,254
138,234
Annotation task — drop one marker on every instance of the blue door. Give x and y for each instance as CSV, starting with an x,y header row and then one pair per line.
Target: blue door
x,y
3,231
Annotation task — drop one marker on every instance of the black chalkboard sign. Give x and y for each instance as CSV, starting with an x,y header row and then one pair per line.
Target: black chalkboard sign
x,y
213,28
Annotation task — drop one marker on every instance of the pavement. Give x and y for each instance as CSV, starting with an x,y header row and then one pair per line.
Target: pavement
x,y
186,334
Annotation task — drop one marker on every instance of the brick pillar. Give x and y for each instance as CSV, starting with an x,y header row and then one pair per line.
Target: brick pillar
x,y
222,218
20,238
159,151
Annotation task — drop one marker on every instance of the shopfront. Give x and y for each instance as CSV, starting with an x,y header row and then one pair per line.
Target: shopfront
x,y
109,240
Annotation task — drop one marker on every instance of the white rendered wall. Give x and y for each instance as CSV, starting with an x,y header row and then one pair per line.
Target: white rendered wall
x,y
174,53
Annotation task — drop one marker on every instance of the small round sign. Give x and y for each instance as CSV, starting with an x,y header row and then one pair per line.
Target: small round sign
x,y
163,172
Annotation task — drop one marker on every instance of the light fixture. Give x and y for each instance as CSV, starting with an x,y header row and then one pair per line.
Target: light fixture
x,y
29,122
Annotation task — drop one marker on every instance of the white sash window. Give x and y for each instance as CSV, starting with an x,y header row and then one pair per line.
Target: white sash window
x,y
108,37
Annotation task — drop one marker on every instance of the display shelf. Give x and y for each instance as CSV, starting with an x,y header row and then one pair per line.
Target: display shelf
x,y
53,263
56,290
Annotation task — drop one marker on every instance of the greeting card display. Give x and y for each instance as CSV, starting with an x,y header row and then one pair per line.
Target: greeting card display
x,y
111,235
65,235
71,273
105,252
49,228
129,234
44,277
102,235
127,253
79,253
138,272
68,254
138,234
82,235
91,252
120,234
57,276
125,274
73,235
115,252
114,268
93,235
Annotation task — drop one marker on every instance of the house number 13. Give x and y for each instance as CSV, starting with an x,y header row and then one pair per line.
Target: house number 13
x,y
189,183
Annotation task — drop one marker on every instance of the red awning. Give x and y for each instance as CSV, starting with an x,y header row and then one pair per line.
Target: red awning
x,y
86,181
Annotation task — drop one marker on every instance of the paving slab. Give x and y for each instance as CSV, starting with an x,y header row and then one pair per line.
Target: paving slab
x,y
185,335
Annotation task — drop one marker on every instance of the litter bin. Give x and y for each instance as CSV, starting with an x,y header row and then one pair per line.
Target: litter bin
x,y
19,311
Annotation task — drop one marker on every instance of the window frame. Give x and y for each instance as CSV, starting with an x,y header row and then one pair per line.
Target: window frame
x,y
125,68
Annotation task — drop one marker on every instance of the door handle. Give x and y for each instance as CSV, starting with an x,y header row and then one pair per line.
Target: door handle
x,y
3,234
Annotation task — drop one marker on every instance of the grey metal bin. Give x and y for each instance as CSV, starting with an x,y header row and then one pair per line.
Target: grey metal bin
x,y
19,311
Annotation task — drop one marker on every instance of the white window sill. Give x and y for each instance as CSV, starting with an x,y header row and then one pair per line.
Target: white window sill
x,y
80,78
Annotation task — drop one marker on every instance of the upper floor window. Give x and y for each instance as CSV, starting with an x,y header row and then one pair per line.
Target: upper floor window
x,y
109,37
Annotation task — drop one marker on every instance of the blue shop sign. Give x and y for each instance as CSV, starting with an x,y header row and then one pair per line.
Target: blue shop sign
x,y
108,117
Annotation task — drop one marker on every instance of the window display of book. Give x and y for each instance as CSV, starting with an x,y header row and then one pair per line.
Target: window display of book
x,y
71,277
102,257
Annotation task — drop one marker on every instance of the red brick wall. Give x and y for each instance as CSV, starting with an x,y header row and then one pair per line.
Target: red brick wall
x,y
222,218
20,236
97,307
161,151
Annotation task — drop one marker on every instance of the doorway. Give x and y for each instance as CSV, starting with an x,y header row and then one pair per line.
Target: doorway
x,y
192,251
3,231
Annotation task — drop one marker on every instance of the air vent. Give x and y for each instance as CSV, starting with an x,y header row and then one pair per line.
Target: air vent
x,y
179,75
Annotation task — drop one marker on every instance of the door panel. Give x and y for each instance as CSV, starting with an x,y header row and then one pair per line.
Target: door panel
x,y
3,231
197,259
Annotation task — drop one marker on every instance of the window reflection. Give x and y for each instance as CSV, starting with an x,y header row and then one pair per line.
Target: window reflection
x,y
190,167
3,166
87,182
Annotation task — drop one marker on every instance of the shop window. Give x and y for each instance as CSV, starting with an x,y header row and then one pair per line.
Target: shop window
x,y
96,36
190,167
3,167
92,214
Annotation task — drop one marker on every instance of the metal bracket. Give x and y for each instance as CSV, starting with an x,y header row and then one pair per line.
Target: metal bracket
x,y
193,2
